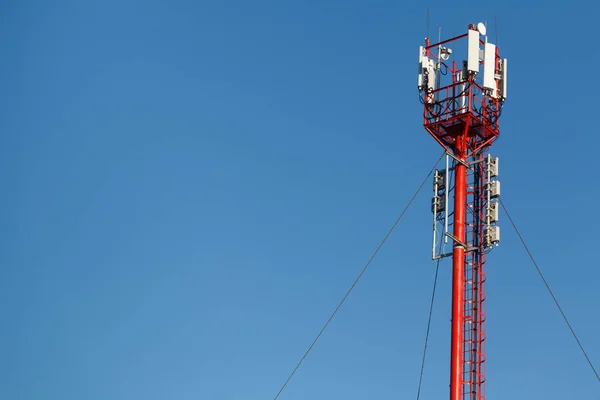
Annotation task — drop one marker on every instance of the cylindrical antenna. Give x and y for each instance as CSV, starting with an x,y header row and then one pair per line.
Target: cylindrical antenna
x,y
438,77
496,28
453,35
427,24
486,25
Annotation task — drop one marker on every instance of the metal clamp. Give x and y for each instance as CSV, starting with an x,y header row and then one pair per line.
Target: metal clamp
x,y
461,243
466,164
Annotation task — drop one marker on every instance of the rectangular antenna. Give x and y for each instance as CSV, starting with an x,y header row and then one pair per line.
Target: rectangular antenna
x,y
421,53
503,78
489,68
473,52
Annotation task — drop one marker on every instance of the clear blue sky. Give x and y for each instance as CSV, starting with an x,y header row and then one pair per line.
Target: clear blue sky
x,y
189,187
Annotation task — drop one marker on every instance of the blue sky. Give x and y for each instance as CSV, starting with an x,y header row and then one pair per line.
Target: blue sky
x,y
189,187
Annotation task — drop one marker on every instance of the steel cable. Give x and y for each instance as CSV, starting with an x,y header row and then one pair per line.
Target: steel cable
x,y
357,279
550,291
437,268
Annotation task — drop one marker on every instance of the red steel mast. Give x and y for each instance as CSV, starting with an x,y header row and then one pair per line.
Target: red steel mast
x,y
458,273
462,115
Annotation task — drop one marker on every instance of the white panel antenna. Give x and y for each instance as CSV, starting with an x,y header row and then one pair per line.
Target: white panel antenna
x,y
421,56
503,73
473,52
431,74
489,68
427,71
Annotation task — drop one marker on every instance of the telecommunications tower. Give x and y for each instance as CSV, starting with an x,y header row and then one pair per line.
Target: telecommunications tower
x,y
462,105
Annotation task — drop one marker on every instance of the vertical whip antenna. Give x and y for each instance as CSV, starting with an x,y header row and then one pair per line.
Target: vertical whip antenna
x,y
496,28
427,24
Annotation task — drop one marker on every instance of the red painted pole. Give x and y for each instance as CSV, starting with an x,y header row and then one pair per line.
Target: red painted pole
x,y
458,272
